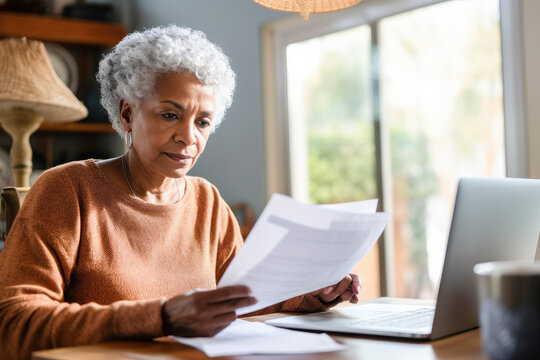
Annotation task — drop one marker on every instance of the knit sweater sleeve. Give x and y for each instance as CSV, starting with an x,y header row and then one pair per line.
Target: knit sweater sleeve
x,y
35,268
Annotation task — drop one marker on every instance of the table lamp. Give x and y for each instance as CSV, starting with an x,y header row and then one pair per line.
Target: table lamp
x,y
30,93
306,7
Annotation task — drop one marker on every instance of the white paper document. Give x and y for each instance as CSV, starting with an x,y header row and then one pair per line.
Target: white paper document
x,y
296,248
244,337
357,207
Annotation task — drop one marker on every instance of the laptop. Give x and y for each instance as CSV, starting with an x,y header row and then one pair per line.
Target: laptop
x,y
494,219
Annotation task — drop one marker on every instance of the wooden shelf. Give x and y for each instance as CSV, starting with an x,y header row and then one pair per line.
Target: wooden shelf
x,y
59,29
88,36
76,127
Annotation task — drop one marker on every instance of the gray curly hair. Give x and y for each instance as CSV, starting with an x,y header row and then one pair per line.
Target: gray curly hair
x,y
129,71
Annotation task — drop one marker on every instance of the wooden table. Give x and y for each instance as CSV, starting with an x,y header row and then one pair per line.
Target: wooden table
x,y
466,345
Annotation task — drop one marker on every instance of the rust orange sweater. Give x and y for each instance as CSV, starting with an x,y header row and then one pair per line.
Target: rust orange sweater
x,y
84,262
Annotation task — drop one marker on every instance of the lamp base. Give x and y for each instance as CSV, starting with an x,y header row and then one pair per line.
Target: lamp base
x,y
20,123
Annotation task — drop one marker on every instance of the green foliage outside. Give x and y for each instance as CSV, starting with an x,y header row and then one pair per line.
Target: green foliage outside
x,y
339,125
337,109
341,166
342,159
338,95
414,181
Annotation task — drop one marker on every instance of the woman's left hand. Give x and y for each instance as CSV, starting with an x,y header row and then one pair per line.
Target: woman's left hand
x,y
345,290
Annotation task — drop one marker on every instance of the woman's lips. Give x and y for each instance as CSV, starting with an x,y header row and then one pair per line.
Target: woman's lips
x,y
179,157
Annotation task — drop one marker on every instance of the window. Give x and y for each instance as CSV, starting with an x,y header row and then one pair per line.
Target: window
x,y
441,101
330,114
397,106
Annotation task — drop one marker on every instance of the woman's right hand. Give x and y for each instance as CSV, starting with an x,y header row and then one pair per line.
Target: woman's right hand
x,y
204,313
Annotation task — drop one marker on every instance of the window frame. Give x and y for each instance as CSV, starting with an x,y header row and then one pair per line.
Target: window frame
x,y
275,37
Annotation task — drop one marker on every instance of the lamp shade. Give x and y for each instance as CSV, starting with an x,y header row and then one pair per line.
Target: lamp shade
x,y
28,81
306,7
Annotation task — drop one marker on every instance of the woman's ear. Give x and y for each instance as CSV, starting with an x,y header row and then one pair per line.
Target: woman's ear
x,y
126,111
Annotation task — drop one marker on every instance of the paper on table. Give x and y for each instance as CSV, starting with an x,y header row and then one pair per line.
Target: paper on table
x,y
297,248
244,337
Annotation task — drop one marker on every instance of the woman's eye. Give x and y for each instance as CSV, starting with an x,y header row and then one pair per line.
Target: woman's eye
x,y
169,116
204,123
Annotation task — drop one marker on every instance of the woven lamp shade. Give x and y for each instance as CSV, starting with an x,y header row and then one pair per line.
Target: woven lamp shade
x,y
30,93
306,7
28,80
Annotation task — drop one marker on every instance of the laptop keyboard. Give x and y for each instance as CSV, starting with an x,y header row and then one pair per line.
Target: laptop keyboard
x,y
413,319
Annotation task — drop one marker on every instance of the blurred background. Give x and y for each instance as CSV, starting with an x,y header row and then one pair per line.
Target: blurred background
x,y
390,99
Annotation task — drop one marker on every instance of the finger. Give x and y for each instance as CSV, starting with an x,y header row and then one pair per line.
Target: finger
x,y
219,323
347,295
339,289
214,326
218,330
354,299
356,283
328,289
223,319
230,305
225,293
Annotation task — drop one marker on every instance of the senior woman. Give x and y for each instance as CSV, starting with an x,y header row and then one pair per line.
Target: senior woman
x,y
111,249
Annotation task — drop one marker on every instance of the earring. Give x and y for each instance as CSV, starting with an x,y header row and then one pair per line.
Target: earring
x,y
129,140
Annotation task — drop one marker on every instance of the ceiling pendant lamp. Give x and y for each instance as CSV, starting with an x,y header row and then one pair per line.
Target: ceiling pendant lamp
x,y
306,7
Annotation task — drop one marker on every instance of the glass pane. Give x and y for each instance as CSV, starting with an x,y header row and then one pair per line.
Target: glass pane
x,y
441,103
330,125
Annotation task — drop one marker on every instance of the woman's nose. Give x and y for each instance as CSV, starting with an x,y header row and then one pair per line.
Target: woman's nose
x,y
185,132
